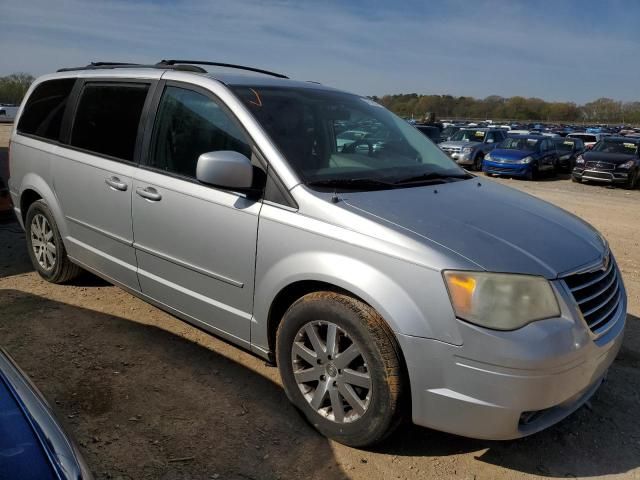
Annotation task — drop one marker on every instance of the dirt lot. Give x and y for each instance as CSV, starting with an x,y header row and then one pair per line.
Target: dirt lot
x,y
147,396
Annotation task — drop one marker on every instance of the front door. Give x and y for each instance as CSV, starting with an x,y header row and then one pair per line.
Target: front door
x,y
195,244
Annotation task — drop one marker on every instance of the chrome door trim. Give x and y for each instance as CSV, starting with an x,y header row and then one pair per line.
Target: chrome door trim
x,y
182,263
112,236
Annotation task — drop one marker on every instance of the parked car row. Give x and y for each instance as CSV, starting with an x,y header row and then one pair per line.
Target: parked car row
x,y
597,157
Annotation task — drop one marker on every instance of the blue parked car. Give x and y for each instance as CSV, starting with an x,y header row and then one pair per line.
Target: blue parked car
x,y
33,446
522,156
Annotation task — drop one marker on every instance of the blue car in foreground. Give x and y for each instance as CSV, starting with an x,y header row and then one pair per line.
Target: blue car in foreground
x,y
33,446
522,156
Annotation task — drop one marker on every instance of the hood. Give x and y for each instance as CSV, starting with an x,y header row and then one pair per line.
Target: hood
x,y
497,228
459,143
615,158
509,154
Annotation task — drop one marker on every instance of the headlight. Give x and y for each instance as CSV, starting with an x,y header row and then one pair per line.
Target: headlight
x,y
526,160
467,150
579,159
627,165
501,301
488,157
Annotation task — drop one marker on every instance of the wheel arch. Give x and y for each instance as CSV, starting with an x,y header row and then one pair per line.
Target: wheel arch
x,y
35,188
280,287
287,296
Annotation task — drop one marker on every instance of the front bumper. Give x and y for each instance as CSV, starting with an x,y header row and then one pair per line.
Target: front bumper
x,y
506,385
459,157
604,176
510,169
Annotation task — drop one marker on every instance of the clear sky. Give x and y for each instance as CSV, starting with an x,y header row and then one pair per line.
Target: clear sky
x,y
575,50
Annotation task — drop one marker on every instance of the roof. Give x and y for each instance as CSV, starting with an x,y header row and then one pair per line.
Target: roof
x,y
531,135
253,80
229,75
620,138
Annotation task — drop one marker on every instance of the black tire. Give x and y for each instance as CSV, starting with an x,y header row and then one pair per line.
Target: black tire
x,y
477,163
380,354
632,183
532,174
576,179
62,269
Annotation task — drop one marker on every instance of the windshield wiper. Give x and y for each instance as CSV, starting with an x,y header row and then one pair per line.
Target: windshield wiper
x,y
433,177
352,183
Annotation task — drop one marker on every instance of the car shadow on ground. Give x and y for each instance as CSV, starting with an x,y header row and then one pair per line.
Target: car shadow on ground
x,y
143,402
136,396
601,438
14,259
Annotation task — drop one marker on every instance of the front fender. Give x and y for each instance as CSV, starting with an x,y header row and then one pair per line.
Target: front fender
x,y
359,278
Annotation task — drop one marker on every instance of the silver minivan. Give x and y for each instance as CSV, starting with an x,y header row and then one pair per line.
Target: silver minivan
x,y
385,281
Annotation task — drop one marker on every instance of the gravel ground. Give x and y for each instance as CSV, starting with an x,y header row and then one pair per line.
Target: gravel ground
x,y
149,397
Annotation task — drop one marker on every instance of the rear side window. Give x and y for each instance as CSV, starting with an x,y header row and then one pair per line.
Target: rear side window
x,y
43,112
108,117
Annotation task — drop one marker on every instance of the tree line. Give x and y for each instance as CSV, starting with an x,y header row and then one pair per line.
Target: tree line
x,y
603,110
14,86
494,107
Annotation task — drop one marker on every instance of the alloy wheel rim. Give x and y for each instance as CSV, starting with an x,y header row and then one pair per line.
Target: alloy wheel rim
x,y
331,372
44,248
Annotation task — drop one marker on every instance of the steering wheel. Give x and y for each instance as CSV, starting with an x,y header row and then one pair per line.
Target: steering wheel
x,y
351,147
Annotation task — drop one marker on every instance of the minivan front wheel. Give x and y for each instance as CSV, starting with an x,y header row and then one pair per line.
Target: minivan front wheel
x,y
341,367
45,246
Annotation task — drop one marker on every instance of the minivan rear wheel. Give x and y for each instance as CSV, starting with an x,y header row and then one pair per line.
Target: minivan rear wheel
x,y
45,246
341,367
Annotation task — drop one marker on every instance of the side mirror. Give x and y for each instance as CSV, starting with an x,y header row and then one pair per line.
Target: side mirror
x,y
225,168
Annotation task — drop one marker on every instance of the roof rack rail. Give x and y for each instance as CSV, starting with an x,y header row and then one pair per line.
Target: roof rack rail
x,y
170,63
110,65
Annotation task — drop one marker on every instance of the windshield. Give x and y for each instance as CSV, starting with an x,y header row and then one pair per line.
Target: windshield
x,y
468,136
565,145
450,130
514,143
332,136
585,138
616,146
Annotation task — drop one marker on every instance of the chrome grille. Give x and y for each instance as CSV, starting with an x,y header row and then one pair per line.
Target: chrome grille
x,y
451,149
605,166
598,296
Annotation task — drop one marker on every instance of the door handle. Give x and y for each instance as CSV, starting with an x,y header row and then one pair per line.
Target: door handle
x,y
115,183
149,193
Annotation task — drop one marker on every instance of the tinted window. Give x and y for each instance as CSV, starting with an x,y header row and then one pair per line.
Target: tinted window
x,y
432,132
108,117
616,146
520,143
187,125
469,136
307,126
42,115
566,145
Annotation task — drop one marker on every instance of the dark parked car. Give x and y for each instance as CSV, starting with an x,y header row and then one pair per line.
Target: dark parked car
x,y
430,131
522,156
569,149
33,446
612,160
